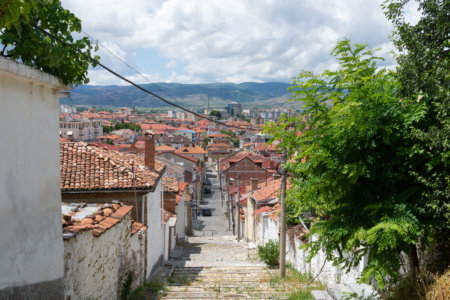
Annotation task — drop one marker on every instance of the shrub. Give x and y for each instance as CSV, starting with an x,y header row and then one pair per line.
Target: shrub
x,y
270,253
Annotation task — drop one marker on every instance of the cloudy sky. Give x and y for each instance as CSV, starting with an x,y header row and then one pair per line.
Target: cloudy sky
x,y
227,40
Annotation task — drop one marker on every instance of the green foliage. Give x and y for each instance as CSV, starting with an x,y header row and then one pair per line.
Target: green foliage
x,y
216,114
301,295
12,10
122,125
107,129
423,69
24,43
355,135
270,253
205,142
125,289
148,290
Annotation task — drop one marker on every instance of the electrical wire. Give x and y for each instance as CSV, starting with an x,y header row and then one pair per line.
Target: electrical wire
x,y
129,81
128,65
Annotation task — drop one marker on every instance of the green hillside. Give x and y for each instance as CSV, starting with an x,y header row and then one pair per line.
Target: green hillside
x,y
250,94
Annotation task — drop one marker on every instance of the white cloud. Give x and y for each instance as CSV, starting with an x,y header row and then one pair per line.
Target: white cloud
x,y
171,64
232,40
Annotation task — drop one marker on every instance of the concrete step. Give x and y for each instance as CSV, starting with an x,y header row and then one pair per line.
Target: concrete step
x,y
321,295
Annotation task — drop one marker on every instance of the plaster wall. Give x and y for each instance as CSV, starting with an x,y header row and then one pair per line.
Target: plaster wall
x,y
155,230
31,246
136,257
170,237
180,226
95,266
329,274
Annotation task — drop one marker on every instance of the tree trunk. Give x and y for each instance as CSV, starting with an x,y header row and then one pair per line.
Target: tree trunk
x,y
413,260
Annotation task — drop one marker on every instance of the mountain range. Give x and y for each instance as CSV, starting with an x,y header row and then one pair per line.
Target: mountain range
x,y
249,94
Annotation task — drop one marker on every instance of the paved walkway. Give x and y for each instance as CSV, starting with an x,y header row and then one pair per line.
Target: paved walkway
x,y
214,265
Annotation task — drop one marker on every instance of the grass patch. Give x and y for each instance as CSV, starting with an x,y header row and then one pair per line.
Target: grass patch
x,y
147,290
295,283
270,253
301,295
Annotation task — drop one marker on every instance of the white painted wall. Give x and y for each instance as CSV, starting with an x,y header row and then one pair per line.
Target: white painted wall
x,y
267,229
170,237
31,246
155,230
136,257
180,226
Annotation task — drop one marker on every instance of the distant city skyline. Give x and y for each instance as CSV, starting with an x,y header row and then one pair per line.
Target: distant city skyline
x,y
228,41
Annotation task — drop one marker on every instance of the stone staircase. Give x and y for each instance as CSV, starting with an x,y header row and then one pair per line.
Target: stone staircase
x,y
233,282
220,268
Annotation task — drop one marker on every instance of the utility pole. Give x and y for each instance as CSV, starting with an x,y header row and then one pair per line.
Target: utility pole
x,y
283,217
238,208
220,182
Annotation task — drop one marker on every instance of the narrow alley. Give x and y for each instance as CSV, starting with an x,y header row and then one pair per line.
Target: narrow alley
x,y
212,264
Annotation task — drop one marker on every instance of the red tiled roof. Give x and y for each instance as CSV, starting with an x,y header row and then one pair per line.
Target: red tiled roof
x,y
170,184
182,187
165,148
135,227
191,150
193,159
168,215
262,210
88,167
102,218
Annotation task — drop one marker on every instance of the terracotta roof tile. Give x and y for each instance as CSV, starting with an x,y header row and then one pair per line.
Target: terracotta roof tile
x,y
168,215
165,148
191,150
122,212
98,217
135,227
88,167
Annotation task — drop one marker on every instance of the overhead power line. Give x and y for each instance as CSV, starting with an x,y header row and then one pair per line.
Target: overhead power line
x,y
128,65
129,81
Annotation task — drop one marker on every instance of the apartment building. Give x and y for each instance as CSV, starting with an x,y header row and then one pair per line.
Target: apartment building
x,y
75,130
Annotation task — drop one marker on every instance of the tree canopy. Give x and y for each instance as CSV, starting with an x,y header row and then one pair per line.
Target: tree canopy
x,y
23,42
370,151
423,69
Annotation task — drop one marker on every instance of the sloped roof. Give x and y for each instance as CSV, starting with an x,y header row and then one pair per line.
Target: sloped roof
x,y
191,150
87,167
165,148
187,157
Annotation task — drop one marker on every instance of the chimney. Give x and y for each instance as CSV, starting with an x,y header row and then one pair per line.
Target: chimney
x,y
254,183
150,151
276,176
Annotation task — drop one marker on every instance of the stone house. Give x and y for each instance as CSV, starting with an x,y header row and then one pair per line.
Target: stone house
x,y
31,245
101,246
90,174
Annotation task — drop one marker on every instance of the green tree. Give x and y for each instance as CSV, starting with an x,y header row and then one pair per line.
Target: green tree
x,y
216,114
205,142
423,69
355,135
23,42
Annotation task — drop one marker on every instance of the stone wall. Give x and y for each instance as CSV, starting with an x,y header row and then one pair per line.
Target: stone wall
x,y
94,267
31,247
